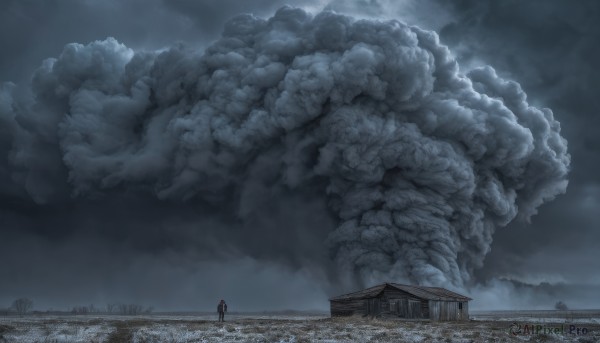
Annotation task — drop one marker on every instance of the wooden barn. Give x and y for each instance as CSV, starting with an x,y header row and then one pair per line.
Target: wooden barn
x,y
402,301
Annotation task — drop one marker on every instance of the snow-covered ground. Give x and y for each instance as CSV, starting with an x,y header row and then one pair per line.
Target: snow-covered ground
x,y
567,316
271,328
54,330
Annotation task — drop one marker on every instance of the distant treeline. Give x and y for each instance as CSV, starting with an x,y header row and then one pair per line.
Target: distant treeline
x,y
24,306
116,308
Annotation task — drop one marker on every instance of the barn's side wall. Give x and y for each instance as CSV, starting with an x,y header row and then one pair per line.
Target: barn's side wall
x,y
347,307
465,311
398,303
448,310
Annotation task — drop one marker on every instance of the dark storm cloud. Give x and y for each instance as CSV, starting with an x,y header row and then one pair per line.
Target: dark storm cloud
x,y
209,16
427,14
551,48
33,30
283,132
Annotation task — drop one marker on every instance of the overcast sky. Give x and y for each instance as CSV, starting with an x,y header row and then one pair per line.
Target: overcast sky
x,y
62,249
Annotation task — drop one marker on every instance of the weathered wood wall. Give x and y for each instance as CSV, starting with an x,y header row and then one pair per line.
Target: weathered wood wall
x,y
464,313
407,308
448,310
347,307
404,305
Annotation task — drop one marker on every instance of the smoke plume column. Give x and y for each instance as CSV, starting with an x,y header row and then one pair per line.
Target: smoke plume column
x,y
419,162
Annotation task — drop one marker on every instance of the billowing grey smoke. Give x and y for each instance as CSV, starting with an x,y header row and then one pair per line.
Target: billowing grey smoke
x,y
418,162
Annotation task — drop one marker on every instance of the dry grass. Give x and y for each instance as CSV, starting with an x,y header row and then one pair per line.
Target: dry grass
x,y
352,329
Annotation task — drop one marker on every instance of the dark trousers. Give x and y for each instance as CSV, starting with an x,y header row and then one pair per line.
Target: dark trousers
x,y
221,316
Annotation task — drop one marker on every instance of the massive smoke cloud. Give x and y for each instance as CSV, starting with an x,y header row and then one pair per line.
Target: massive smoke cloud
x,y
417,162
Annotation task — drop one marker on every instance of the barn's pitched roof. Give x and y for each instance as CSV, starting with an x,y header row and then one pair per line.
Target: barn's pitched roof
x,y
422,292
370,292
430,293
447,294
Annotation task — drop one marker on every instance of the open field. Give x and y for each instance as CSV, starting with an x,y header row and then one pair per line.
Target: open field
x,y
549,316
290,328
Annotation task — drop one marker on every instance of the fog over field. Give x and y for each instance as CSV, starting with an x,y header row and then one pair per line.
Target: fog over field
x,y
273,154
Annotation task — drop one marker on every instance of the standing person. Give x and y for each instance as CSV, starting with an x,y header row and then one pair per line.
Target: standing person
x,y
222,308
